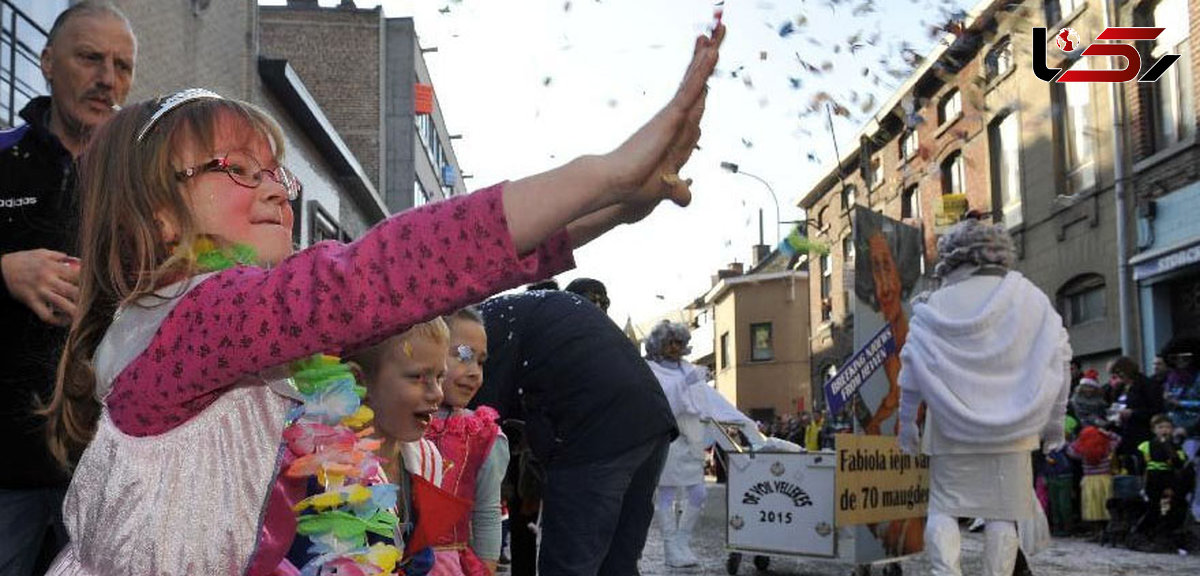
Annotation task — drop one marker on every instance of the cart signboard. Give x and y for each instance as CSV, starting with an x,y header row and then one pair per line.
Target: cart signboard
x,y
876,482
781,503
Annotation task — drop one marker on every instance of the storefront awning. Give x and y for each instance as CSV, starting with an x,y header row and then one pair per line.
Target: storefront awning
x,y
1162,261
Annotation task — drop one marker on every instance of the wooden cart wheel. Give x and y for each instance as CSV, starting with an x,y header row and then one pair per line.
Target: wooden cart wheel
x,y
733,563
761,563
893,569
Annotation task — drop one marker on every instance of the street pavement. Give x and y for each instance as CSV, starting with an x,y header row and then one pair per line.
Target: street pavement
x,y
1067,556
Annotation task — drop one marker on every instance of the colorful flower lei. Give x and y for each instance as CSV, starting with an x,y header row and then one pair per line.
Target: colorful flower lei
x,y
330,436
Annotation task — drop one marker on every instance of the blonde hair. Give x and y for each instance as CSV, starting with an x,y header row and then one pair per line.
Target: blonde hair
x,y
125,187
370,360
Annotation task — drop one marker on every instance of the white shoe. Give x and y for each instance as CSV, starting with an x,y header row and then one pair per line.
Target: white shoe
x,y
667,523
683,537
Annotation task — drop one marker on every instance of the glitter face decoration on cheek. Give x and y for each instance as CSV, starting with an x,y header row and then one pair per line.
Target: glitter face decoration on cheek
x,y
408,350
464,354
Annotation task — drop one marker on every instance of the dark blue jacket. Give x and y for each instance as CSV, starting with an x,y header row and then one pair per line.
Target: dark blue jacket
x,y
38,209
558,362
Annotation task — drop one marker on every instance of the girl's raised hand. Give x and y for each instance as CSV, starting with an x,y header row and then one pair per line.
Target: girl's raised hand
x,y
645,168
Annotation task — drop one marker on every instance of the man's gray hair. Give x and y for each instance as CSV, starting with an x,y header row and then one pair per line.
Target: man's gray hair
x,y
974,243
663,332
86,8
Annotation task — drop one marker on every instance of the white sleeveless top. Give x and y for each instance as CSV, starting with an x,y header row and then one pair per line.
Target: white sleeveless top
x,y
187,501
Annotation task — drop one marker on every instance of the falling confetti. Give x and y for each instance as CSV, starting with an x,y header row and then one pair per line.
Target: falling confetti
x,y
868,105
864,8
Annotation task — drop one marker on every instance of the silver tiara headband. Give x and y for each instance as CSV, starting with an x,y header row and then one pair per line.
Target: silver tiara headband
x,y
174,101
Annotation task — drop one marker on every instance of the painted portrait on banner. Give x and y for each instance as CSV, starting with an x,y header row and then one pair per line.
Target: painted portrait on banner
x,y
888,270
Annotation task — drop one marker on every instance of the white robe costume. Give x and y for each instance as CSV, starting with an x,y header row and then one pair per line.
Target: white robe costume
x,y
989,356
684,385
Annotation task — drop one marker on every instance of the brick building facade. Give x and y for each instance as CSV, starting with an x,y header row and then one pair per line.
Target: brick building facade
x,y
1164,177
1039,157
364,69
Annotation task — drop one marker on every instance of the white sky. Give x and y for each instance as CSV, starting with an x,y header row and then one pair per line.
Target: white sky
x,y
531,84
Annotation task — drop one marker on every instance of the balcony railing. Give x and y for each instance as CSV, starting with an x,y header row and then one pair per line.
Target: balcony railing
x,y
21,38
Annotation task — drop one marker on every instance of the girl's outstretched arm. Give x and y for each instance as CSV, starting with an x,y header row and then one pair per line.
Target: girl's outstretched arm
x,y
330,297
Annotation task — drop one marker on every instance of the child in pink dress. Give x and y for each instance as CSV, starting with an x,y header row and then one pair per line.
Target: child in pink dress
x,y
475,450
184,399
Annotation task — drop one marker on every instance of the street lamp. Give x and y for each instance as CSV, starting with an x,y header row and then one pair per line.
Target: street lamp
x,y
731,167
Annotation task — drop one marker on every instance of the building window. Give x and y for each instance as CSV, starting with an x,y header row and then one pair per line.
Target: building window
x,y
429,137
1082,300
1056,10
826,287
420,197
724,350
821,218
848,197
762,348
297,206
1174,105
910,206
876,172
1004,135
950,107
1073,111
954,177
847,275
999,60
22,37
321,225
909,144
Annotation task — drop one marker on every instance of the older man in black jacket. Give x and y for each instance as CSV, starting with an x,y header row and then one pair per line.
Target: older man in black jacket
x,y
88,62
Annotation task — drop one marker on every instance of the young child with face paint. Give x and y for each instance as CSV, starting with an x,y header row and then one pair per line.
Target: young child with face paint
x,y
475,450
403,377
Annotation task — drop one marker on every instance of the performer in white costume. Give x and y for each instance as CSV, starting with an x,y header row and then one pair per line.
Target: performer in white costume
x,y
683,475
699,409
989,356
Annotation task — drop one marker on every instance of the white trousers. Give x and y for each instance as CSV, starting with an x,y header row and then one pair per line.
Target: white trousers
x,y
943,544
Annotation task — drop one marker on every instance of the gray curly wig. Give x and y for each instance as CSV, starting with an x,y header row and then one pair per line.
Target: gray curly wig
x,y
974,243
664,331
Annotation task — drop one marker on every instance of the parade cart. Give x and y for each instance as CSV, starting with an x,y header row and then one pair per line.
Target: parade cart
x,y
781,503
862,503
